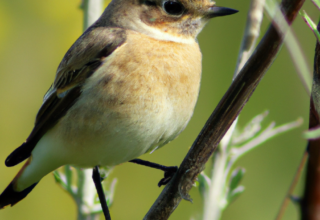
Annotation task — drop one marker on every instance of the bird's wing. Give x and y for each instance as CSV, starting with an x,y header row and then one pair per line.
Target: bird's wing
x,y
79,63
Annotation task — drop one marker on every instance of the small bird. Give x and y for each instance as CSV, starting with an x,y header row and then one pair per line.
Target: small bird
x,y
127,86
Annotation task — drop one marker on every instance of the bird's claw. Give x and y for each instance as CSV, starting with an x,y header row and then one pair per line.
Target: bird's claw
x,y
168,174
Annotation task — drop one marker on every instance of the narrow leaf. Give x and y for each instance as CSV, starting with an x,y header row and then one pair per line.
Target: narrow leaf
x,y
204,184
311,24
316,3
236,177
58,179
232,196
251,129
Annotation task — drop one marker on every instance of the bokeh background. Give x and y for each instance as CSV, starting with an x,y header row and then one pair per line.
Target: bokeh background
x,y
35,34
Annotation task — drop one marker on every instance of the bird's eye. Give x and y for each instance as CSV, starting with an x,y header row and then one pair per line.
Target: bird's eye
x,y
173,7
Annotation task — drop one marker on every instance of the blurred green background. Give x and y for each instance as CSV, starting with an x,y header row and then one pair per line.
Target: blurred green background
x,y
35,34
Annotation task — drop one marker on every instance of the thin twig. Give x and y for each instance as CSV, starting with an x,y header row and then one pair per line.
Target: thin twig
x,y
97,182
222,117
91,11
251,33
292,186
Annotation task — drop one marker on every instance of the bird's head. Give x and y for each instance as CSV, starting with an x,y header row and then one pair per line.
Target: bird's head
x,y
162,19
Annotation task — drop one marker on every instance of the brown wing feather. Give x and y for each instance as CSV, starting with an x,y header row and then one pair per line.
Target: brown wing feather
x,y
91,47
79,63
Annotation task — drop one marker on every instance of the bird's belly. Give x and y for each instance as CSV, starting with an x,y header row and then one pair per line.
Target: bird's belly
x,y
120,135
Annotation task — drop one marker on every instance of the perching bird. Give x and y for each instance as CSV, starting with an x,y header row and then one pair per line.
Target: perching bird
x,y
127,86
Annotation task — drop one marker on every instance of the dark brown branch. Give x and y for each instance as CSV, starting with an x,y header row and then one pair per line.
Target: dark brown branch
x,y
222,117
311,200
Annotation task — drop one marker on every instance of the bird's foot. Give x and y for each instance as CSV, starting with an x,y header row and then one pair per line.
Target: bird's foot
x,y
168,174
168,171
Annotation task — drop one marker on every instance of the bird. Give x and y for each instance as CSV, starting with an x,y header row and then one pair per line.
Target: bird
x,y
128,85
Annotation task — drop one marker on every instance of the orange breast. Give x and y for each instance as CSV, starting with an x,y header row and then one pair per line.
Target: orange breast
x,y
153,70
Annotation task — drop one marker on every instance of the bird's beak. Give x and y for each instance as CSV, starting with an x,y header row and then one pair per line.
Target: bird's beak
x,y
216,11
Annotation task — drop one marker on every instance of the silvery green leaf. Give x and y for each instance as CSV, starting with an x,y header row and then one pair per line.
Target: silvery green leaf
x,y
235,178
204,184
58,179
68,173
234,194
250,130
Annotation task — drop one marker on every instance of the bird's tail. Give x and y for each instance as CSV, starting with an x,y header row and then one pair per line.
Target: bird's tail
x,y
10,196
